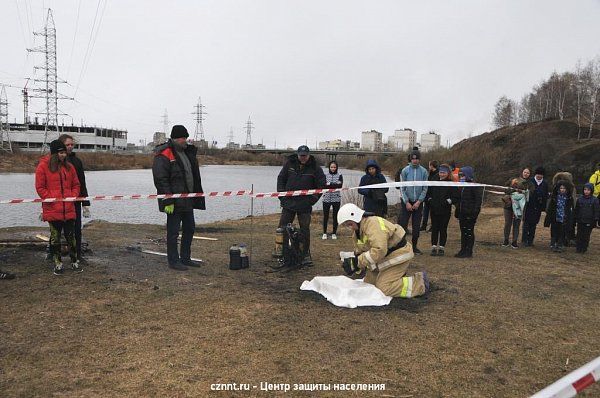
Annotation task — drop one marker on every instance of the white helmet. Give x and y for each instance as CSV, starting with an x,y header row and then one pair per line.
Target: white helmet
x,y
351,212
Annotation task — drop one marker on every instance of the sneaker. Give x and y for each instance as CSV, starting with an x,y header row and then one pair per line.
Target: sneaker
x,y
307,261
333,236
440,252
190,263
6,275
76,267
505,244
324,237
58,269
434,251
417,251
514,245
178,267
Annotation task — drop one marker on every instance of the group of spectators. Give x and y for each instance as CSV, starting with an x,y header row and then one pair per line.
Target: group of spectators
x,y
571,217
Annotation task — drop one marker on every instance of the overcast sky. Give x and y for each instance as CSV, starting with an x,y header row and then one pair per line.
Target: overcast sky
x,y
303,70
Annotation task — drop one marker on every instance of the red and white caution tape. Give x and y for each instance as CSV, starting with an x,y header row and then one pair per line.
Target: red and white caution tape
x,y
259,195
573,383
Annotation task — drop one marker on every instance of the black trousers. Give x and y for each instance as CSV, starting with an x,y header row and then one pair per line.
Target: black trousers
x,y
467,234
583,236
326,207
426,215
528,232
415,216
439,228
287,217
557,234
78,229
185,221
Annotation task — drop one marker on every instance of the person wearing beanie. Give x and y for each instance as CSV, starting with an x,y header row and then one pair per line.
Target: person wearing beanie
x,y
332,199
57,178
375,199
176,170
538,199
595,181
439,202
468,202
587,215
413,197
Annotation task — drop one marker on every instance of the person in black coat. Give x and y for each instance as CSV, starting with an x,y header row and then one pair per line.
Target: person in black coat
x,y
300,171
375,200
587,216
538,199
175,170
433,176
559,214
468,205
82,207
439,202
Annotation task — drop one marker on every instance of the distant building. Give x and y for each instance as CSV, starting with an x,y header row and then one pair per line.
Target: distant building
x,y
159,138
232,145
339,145
430,141
371,140
402,140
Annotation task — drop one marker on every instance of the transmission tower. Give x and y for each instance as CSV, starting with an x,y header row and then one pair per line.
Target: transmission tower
x,y
199,118
51,81
4,126
249,128
165,121
230,136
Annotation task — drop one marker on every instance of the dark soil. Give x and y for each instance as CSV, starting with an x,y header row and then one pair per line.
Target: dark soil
x,y
503,324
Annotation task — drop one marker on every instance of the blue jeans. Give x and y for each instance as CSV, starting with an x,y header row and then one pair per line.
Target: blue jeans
x,y
185,221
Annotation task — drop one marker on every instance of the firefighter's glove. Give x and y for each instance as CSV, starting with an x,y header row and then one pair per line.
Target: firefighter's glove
x,y
169,209
350,266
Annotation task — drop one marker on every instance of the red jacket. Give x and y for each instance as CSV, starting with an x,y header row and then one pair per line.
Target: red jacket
x,y
60,184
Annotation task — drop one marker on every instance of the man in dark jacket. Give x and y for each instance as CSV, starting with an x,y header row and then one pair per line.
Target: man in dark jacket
x,y
300,171
468,205
80,207
176,170
538,198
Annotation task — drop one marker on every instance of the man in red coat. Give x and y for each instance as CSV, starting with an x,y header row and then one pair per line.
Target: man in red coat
x,y
57,178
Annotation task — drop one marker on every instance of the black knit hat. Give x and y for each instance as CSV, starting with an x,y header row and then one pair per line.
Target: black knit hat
x,y
178,131
56,146
414,154
540,171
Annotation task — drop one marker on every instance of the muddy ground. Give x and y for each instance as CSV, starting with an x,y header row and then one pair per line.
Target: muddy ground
x,y
503,324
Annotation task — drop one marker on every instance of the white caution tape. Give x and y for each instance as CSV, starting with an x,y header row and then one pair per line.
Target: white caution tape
x,y
573,383
259,195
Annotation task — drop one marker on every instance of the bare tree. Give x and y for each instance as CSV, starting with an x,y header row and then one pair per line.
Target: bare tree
x,y
504,112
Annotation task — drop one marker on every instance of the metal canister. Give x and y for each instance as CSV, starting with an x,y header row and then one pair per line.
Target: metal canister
x,y
235,260
245,260
278,250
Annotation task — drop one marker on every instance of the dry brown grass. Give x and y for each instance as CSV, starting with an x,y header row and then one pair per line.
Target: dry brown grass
x,y
503,324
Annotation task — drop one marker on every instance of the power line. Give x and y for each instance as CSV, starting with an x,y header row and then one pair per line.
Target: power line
x,y
87,62
73,44
21,23
87,48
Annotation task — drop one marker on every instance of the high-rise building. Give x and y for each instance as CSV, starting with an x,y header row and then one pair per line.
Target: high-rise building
x,y
371,140
430,141
402,140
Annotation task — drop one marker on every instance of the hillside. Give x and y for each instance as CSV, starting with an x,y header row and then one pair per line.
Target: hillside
x,y
553,144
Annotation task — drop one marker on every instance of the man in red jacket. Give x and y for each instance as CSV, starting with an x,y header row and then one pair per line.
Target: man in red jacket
x,y
57,178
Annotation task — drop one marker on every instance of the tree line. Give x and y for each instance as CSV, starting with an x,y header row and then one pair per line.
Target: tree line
x,y
574,94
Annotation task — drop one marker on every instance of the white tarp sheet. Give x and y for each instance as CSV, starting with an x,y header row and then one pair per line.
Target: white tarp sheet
x,y
345,292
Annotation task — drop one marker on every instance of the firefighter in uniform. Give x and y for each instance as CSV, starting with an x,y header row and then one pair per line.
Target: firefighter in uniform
x,y
380,248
